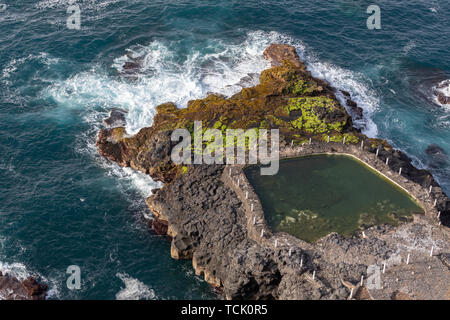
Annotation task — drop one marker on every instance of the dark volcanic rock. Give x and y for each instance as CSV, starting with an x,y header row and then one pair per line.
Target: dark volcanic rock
x,y
248,80
434,149
345,93
159,226
356,111
277,53
13,289
442,98
34,288
205,218
438,157
440,91
131,65
116,118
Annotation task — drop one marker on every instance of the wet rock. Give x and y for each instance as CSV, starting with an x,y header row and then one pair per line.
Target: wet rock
x,y
12,288
277,53
182,248
33,288
248,80
133,65
159,226
445,258
130,65
438,156
116,118
356,111
434,149
442,98
442,92
400,218
345,93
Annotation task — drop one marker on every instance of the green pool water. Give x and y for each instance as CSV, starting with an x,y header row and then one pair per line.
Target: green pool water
x,y
315,195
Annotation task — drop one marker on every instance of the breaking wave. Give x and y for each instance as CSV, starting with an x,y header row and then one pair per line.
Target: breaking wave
x,y
20,271
166,73
134,289
442,90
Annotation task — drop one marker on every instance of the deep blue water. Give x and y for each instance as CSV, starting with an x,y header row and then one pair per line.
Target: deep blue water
x,y
61,204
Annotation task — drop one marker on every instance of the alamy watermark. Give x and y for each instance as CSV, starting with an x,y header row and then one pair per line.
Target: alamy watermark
x,y
74,280
3,7
373,277
374,20
74,20
210,145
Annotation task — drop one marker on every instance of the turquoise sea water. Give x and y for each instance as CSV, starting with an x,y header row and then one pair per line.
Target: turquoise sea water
x,y
62,204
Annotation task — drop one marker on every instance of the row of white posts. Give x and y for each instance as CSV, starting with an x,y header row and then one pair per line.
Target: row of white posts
x,y
384,269
328,141
400,172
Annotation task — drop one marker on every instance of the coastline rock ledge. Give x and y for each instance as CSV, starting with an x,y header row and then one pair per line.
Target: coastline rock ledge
x,y
12,288
215,218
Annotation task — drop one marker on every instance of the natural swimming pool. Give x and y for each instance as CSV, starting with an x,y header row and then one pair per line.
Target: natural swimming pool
x,y
314,195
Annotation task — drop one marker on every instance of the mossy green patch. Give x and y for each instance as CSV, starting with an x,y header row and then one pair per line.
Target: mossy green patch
x,y
313,114
303,87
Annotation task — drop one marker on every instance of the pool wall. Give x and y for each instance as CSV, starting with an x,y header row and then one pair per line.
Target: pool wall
x,y
257,227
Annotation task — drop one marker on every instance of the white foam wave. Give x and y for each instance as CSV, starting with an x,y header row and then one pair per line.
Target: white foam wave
x,y
408,47
360,92
86,4
21,272
140,181
162,78
167,75
134,289
15,269
14,64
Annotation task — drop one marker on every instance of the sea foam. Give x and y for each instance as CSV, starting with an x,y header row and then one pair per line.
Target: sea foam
x,y
134,289
165,74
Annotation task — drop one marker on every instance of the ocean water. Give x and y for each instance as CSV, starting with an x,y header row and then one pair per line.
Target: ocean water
x,y
61,204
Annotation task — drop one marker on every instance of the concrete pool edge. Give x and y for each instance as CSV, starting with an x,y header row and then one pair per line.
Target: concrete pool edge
x,y
257,226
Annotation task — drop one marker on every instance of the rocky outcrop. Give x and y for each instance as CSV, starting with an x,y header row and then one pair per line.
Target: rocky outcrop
x,y
116,119
357,112
442,98
276,54
442,91
209,218
12,288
